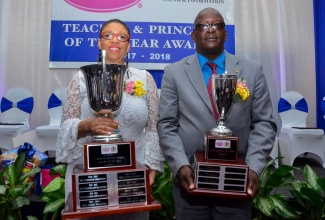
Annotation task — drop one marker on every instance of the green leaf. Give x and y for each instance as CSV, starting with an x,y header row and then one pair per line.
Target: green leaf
x,y
264,205
27,188
20,201
13,171
30,217
321,183
16,191
11,175
297,196
284,209
54,185
3,189
32,172
55,214
60,169
264,177
280,175
311,176
2,181
53,206
11,216
311,195
52,196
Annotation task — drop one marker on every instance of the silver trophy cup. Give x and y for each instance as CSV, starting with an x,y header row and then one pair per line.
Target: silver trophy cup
x,y
105,91
223,93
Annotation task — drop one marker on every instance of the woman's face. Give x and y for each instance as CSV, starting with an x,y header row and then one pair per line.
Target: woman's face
x,y
115,49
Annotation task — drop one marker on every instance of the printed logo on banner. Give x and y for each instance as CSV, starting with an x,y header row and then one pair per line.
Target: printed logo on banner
x,y
102,6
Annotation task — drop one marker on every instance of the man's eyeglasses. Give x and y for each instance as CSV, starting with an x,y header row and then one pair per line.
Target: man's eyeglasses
x,y
215,26
120,37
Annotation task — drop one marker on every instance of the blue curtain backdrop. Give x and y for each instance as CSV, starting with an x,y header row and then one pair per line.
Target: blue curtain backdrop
x,y
319,19
157,75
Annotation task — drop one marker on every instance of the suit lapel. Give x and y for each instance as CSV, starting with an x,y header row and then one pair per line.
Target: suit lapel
x,y
232,66
194,73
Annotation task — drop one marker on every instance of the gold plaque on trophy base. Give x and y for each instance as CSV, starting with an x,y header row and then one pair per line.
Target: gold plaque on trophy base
x,y
220,178
221,147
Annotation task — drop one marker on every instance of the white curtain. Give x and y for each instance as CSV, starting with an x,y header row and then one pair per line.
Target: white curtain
x,y
277,33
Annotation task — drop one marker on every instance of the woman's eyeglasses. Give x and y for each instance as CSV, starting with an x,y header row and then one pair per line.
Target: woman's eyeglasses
x,y
120,37
215,26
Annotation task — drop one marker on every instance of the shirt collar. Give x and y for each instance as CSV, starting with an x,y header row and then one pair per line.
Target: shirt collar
x,y
220,60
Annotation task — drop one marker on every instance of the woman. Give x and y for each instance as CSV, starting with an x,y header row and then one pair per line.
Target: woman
x,y
136,120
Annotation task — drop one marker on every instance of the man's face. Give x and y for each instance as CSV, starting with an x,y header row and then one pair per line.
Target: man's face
x,y
209,39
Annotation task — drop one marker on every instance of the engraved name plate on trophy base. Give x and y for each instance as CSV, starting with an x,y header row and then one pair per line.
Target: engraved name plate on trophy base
x,y
115,155
221,147
220,178
110,188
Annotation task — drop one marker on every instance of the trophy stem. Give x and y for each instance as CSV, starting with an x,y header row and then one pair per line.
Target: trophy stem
x,y
221,129
107,138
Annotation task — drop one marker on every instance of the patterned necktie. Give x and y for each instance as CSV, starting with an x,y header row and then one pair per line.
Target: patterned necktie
x,y
213,66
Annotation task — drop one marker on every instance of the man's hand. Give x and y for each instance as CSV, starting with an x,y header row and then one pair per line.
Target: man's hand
x,y
252,183
152,175
186,178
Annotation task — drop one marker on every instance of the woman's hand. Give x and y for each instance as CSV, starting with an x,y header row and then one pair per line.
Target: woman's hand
x,y
99,125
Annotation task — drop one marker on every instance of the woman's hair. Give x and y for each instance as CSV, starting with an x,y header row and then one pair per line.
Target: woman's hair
x,y
115,20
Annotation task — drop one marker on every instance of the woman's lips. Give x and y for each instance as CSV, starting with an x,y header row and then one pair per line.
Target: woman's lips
x,y
114,49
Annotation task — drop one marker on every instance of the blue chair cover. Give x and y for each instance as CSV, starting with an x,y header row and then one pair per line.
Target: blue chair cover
x,y
54,101
25,105
5,104
284,105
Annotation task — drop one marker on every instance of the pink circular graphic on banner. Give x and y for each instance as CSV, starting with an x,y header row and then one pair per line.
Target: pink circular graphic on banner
x,y
103,5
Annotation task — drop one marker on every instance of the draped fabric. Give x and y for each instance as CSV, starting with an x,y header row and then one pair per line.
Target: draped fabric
x,y
279,34
54,101
25,105
323,107
319,21
284,105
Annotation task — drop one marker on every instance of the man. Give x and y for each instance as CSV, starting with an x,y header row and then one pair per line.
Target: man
x,y
186,113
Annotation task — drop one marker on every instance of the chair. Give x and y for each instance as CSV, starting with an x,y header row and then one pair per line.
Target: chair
x,y
16,106
46,135
295,138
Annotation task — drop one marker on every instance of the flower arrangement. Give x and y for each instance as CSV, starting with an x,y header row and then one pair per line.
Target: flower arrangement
x,y
242,91
134,88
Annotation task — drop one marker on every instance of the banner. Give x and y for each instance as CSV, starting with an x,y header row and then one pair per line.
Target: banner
x,y
160,29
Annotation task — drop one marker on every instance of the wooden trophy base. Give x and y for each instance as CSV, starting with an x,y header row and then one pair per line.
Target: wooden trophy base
x,y
110,188
69,213
220,178
115,155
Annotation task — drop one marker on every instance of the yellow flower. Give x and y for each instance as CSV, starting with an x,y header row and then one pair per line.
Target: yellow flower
x,y
138,83
139,91
135,88
242,91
